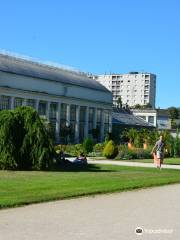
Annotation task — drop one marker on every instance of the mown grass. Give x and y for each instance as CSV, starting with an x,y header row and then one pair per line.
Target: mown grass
x,y
20,188
169,161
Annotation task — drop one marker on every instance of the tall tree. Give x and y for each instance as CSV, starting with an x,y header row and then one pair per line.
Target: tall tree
x,y
174,115
119,102
148,105
173,112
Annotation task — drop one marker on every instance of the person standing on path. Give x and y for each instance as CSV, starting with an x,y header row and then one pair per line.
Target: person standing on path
x,y
158,150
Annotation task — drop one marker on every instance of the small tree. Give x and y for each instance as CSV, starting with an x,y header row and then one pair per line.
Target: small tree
x,y
148,105
152,137
110,151
131,134
174,115
88,145
145,135
138,141
137,106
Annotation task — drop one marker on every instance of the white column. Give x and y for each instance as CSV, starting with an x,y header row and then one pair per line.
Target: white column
x,y
110,122
86,125
77,124
102,126
155,120
147,119
48,110
95,118
58,119
37,104
12,103
68,120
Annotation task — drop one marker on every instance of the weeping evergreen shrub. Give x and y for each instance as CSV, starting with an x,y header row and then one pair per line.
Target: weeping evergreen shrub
x,y
25,143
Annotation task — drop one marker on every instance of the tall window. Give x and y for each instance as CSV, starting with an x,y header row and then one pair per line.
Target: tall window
x,y
91,114
52,115
72,121
106,122
63,122
42,108
63,112
151,119
18,102
99,121
31,103
82,123
4,102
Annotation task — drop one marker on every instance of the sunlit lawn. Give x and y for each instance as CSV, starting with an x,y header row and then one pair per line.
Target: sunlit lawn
x,y
19,187
171,161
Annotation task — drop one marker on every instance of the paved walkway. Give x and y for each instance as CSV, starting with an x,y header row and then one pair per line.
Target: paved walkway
x,y
131,164
103,217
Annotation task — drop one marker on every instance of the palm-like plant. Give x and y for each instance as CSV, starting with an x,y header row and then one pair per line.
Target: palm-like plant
x,y
131,134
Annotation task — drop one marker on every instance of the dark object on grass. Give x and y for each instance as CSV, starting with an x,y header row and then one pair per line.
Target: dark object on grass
x,y
81,159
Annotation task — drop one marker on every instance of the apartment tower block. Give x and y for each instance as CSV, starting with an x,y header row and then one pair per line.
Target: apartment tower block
x,y
133,88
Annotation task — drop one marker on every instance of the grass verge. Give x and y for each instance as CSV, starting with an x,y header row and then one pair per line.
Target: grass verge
x,y
168,161
20,188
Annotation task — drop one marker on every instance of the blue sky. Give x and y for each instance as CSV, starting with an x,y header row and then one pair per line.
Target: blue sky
x,y
100,36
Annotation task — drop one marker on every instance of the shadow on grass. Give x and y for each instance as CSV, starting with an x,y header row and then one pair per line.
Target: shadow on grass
x,y
175,164
79,168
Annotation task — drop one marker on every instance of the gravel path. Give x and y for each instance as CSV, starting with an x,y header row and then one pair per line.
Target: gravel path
x,y
131,164
103,217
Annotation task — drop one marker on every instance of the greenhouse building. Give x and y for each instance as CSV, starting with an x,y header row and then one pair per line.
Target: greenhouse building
x,y
71,102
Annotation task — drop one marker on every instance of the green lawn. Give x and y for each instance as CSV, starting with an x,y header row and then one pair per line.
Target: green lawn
x,y
171,161
19,187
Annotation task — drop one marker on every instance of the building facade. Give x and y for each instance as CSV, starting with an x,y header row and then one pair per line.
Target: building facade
x,y
133,88
68,99
159,118
163,119
149,115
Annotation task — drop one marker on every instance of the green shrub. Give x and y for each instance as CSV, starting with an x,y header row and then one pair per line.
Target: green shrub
x,y
125,153
138,142
110,151
137,153
143,154
99,147
97,150
108,137
95,154
88,145
60,147
176,146
74,149
24,141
